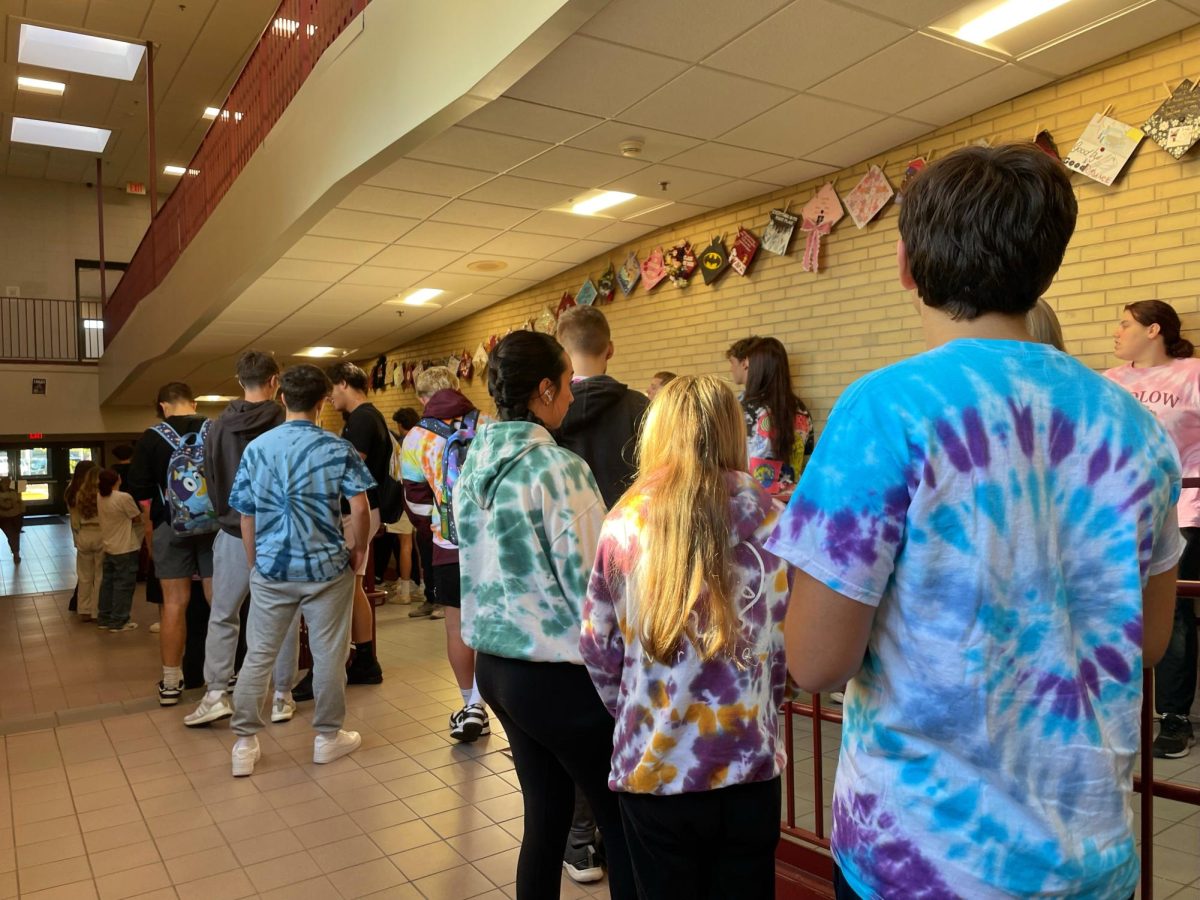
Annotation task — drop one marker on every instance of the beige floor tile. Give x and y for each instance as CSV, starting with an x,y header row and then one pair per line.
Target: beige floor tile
x,y
486,788
174,823
312,811
399,838
397,892
266,846
104,840
79,890
454,884
53,874
485,842
341,854
230,885
202,863
501,809
293,794
8,885
384,816
42,852
252,826
185,842
131,856
435,801
326,831
33,810
348,781
116,796
160,787
282,870
363,798
59,790
227,810
179,801
500,869
427,860
458,821
320,888
366,878
413,785
8,859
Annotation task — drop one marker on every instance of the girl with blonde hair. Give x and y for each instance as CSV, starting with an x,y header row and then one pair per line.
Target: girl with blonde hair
x,y
683,638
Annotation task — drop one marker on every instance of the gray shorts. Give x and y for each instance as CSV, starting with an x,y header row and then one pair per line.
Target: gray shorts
x,y
182,557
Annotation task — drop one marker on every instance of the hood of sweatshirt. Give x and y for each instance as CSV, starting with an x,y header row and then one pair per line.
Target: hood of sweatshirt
x,y
448,404
594,399
498,447
245,417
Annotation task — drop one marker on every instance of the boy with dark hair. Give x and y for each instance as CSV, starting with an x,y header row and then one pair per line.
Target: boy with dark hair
x,y
987,548
240,423
367,430
738,355
289,490
397,539
177,558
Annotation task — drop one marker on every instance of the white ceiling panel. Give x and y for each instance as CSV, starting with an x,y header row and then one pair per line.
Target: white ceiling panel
x,y
656,145
909,71
488,150
793,172
669,215
272,293
801,124
512,264
488,215
725,159
542,269
401,256
805,43
431,178
733,192
455,283
309,270
581,251
976,95
621,232
349,297
524,192
680,183
379,276
565,224
509,286
362,226
568,165
527,246
691,33
338,250
595,77
444,236
705,103
529,120
368,198
911,12
873,139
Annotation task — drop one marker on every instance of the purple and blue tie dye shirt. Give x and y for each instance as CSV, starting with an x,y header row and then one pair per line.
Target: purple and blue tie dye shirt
x,y
1001,506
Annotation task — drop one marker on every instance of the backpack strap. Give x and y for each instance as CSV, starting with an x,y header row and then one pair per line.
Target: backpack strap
x,y
168,434
437,426
471,420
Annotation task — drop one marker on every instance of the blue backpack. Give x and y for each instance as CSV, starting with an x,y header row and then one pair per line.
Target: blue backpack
x,y
185,493
458,441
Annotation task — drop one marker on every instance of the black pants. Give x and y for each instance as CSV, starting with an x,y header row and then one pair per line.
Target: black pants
x,y
716,844
423,539
1175,675
561,735
387,545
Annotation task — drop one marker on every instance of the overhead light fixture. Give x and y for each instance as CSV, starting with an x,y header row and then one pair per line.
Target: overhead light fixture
x,y
214,398
321,352
93,324
211,112
421,297
1005,17
290,27
179,170
601,201
59,134
40,86
73,51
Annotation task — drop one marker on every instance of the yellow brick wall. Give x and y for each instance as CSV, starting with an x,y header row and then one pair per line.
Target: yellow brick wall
x,y
1136,240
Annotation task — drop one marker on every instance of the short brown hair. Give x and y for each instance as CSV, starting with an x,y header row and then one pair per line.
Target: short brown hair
x,y
255,369
584,329
349,374
741,349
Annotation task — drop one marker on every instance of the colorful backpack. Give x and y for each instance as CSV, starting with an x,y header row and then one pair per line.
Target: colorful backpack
x,y
391,492
185,494
458,441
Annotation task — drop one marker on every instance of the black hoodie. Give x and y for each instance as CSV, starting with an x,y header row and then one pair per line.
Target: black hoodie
x,y
602,426
240,423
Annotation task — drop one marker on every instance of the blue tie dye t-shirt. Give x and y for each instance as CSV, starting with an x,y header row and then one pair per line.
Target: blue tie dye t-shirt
x,y
1001,506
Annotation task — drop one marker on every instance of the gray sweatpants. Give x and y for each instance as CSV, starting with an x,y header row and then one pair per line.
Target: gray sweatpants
x,y
326,606
230,588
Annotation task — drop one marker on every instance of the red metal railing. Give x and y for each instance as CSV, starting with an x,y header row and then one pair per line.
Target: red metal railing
x,y
299,32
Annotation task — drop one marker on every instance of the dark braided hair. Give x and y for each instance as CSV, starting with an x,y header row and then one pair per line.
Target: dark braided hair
x,y
516,369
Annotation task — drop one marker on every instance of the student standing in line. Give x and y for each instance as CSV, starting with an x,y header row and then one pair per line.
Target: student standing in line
x,y
118,513
657,383
779,432
12,514
529,515
82,498
987,545
1162,373
398,536
738,356
683,639
289,490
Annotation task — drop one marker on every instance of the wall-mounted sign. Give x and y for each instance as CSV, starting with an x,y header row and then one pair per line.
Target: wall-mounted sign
x,y
35,435
135,187
39,385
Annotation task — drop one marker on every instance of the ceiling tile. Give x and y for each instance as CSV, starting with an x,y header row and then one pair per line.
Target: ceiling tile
x,y
800,125
562,224
471,212
656,145
670,214
594,77
705,103
455,283
479,149
725,159
733,192
431,178
867,142
907,72
277,294
308,270
567,165
529,120
680,182
543,269
368,198
911,12
352,298
1193,5
622,232
362,226
768,52
793,172
513,264
528,246
581,251
401,256
378,276
510,286
695,29
326,249
444,236
976,95
1042,30
524,192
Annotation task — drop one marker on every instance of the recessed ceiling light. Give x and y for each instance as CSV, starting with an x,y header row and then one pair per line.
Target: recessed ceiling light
x,y
321,352
214,398
1005,17
93,324
73,51
421,297
487,265
179,170
59,134
601,201
39,86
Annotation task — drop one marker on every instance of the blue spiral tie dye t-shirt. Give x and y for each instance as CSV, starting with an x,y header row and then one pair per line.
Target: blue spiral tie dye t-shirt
x,y
1002,507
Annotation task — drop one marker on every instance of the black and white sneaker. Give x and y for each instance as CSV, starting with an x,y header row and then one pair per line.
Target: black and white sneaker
x,y
169,696
1175,737
470,723
582,864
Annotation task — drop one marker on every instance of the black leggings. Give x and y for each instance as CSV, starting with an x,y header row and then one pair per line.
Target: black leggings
x,y
561,735
711,844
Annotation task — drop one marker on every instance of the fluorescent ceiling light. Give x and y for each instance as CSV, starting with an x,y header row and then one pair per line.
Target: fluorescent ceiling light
x,y
423,296
59,134
211,112
320,352
601,201
72,51
1005,17
94,324
213,398
291,26
39,86
179,170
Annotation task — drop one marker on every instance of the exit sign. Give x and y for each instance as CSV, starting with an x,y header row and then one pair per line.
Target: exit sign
x,y
35,435
135,187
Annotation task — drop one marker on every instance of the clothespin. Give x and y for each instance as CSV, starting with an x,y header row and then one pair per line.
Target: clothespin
x,y
1037,130
1107,110
1167,88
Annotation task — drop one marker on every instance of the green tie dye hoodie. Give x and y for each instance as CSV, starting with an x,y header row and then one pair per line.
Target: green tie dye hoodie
x,y
529,516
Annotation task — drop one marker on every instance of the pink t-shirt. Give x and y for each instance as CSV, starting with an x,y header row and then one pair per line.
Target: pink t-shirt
x,y
1172,393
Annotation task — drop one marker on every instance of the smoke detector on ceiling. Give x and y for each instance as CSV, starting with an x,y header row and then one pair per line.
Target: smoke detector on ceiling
x,y
632,148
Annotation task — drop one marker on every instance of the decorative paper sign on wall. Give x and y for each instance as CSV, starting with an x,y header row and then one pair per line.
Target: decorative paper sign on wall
x,y
1046,144
818,217
714,260
605,285
911,171
1103,149
546,321
869,196
1175,126
681,263
653,270
587,294
745,246
778,233
565,302
628,274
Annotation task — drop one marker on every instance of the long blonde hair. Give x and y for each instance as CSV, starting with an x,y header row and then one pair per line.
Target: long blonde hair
x,y
88,497
694,433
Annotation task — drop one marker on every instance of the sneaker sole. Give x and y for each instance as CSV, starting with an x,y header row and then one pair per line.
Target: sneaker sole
x,y
1186,751
328,756
583,876
243,768
278,719
207,719
168,701
470,733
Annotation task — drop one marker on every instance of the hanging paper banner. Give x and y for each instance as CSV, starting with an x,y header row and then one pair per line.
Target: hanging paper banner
x,y
1175,126
480,359
1103,149
605,287
410,375
546,322
714,260
565,302
745,246
493,341
653,270
681,263
586,295
911,171
466,368
778,233
1046,144
629,274
817,218
869,196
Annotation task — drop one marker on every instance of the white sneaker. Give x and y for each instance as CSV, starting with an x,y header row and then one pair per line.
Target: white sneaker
x,y
128,626
213,707
245,754
156,628
326,749
400,593
282,709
